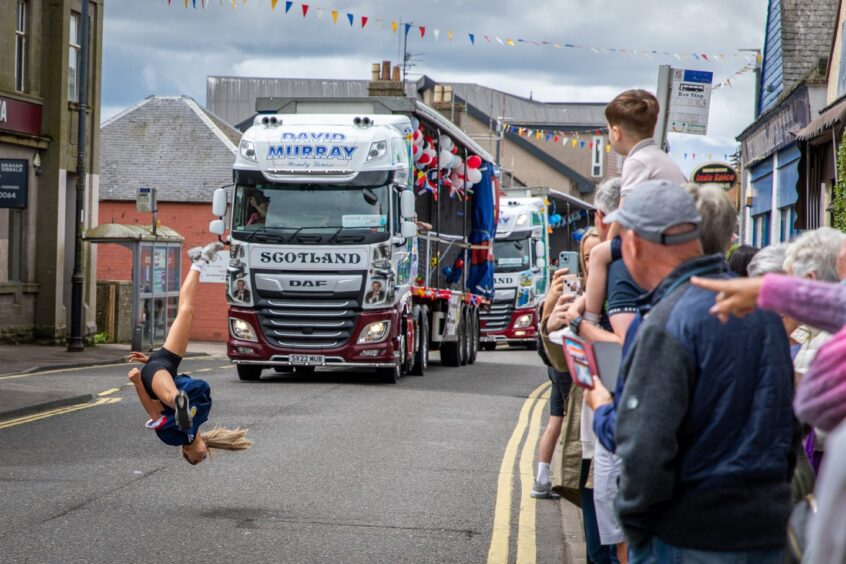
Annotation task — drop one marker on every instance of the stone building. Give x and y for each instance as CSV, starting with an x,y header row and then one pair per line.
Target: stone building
x,y
40,50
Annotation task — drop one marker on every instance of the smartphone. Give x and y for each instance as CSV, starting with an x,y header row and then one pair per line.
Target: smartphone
x,y
572,285
608,358
580,361
570,260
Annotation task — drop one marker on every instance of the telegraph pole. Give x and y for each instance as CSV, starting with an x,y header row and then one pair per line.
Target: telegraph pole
x,y
75,343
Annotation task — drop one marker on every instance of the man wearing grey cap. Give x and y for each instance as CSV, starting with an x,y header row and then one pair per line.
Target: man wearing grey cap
x,y
704,424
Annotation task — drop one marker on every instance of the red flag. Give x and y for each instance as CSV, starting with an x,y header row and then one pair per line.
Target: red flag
x,y
422,31
305,9
363,21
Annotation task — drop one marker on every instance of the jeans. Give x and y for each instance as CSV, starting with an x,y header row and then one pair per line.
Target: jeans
x,y
656,551
597,553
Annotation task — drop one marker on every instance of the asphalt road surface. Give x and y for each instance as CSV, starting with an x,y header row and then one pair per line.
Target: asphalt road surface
x,y
342,470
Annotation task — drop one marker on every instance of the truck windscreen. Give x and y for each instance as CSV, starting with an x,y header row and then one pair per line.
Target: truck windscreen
x,y
313,207
513,256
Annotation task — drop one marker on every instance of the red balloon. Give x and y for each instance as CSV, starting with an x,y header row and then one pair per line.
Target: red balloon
x,y
474,161
454,150
424,159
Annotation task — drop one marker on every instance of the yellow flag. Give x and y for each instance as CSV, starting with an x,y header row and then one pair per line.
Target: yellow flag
x,y
186,4
574,142
450,35
394,26
538,134
608,148
273,4
510,42
334,16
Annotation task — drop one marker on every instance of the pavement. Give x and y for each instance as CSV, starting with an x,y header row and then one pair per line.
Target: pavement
x,y
18,395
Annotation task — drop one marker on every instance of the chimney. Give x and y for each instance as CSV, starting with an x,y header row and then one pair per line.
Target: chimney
x,y
442,99
385,81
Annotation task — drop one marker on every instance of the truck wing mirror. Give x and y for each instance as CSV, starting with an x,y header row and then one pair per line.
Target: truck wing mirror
x,y
407,204
409,229
217,227
219,202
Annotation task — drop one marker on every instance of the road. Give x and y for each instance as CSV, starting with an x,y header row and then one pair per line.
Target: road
x,y
342,470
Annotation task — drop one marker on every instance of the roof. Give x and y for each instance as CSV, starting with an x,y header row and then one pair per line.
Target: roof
x,y
806,36
233,99
122,233
169,143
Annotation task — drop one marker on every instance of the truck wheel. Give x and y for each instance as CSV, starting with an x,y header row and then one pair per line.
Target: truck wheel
x,y
249,372
467,326
392,374
474,336
488,346
453,351
421,356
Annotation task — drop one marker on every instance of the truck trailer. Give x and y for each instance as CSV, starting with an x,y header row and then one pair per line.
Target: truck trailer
x,y
522,273
360,233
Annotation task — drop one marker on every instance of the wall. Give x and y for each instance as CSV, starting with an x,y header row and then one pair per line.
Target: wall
x,y
837,60
192,222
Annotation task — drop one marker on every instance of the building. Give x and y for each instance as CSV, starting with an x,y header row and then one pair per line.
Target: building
x,y
821,141
172,144
791,90
40,50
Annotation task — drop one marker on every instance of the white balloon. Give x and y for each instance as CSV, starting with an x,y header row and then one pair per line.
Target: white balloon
x,y
468,185
457,163
445,159
474,175
415,123
445,142
431,152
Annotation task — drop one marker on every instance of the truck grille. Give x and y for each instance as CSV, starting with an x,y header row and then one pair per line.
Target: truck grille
x,y
306,322
499,316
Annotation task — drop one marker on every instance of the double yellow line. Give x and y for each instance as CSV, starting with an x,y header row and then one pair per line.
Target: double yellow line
x,y
53,412
530,418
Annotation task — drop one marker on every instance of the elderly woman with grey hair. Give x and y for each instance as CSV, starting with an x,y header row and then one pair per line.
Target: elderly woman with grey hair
x,y
719,218
769,260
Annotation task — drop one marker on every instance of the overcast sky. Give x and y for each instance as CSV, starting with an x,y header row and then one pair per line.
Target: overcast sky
x,y
153,48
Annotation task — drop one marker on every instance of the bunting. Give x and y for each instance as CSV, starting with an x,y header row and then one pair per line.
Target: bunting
x,y
702,57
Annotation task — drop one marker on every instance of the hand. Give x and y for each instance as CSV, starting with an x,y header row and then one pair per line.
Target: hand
x,y
138,357
556,288
135,375
734,297
574,310
598,396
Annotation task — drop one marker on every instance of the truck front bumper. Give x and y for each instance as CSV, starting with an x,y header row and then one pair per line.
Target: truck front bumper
x,y
383,354
512,334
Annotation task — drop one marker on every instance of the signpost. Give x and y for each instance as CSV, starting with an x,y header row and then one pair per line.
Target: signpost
x,y
685,99
14,177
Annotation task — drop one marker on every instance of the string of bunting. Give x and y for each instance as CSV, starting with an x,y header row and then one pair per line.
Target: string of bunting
x,y
571,139
435,34
698,156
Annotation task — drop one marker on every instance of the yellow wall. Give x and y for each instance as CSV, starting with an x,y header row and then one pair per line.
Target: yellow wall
x,y
834,74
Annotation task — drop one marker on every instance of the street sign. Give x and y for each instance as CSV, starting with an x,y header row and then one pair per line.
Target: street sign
x,y
690,101
145,199
14,177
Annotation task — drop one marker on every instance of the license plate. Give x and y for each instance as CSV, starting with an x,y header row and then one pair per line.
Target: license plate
x,y
306,359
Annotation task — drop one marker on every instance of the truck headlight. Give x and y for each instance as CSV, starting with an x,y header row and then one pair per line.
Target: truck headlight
x,y
523,321
378,149
374,332
242,330
248,150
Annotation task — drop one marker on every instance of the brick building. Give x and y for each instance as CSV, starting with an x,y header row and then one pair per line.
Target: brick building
x,y
174,145
40,53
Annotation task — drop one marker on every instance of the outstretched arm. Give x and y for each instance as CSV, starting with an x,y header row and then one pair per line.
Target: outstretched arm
x,y
597,279
147,402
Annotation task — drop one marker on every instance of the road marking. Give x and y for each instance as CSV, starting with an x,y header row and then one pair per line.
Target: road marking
x,y
96,366
498,552
204,370
54,412
526,534
226,366
108,392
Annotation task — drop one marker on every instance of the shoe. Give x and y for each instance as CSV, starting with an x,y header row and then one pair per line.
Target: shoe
x,y
544,491
183,412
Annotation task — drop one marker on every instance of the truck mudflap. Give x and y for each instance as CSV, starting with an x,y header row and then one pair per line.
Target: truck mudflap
x,y
520,329
381,354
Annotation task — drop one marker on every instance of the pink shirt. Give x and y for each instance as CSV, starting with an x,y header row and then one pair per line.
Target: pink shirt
x,y
646,161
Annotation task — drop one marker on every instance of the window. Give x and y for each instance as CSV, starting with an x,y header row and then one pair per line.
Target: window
x,y
73,59
20,47
596,166
788,216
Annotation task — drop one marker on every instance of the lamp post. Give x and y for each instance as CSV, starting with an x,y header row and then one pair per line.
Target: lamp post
x,y
75,343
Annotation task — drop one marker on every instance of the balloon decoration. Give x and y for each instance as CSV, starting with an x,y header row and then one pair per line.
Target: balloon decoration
x,y
452,274
439,160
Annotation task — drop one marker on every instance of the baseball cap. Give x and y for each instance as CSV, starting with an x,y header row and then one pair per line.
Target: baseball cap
x,y
653,207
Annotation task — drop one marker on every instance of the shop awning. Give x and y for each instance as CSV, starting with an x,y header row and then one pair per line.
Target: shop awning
x,y
833,116
120,233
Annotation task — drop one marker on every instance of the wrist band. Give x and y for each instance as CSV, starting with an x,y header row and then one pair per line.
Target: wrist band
x,y
591,317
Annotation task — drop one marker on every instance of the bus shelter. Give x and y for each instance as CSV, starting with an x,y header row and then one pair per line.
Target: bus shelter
x,y
156,277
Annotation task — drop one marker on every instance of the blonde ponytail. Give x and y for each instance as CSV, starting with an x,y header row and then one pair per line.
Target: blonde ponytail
x,y
227,439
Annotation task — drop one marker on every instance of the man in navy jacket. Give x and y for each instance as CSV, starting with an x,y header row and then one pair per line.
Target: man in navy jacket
x,y
704,423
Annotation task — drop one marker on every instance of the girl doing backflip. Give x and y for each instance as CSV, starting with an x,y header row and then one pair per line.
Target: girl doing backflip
x,y
178,405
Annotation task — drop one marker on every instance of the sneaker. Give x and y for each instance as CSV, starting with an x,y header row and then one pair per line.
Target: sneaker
x,y
183,412
544,491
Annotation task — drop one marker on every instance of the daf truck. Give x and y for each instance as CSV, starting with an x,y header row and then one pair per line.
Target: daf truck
x,y
522,273
343,251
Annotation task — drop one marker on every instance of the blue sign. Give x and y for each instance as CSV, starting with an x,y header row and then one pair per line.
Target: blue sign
x,y
312,145
703,77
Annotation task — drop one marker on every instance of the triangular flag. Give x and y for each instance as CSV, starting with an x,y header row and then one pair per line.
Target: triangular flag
x,y
500,41
234,4
704,56
273,4
379,24
591,145
407,28
450,35
363,21
422,29
472,38
574,143
436,33
351,18
334,16
510,42
288,6
320,13
186,4
394,27
305,9
581,144
488,39
608,148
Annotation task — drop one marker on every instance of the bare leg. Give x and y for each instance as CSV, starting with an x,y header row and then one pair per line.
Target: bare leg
x,y
549,438
164,388
180,331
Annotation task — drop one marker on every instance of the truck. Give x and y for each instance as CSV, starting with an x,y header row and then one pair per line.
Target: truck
x,y
522,272
352,243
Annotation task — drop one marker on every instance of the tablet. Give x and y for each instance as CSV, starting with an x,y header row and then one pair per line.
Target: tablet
x,y
608,357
